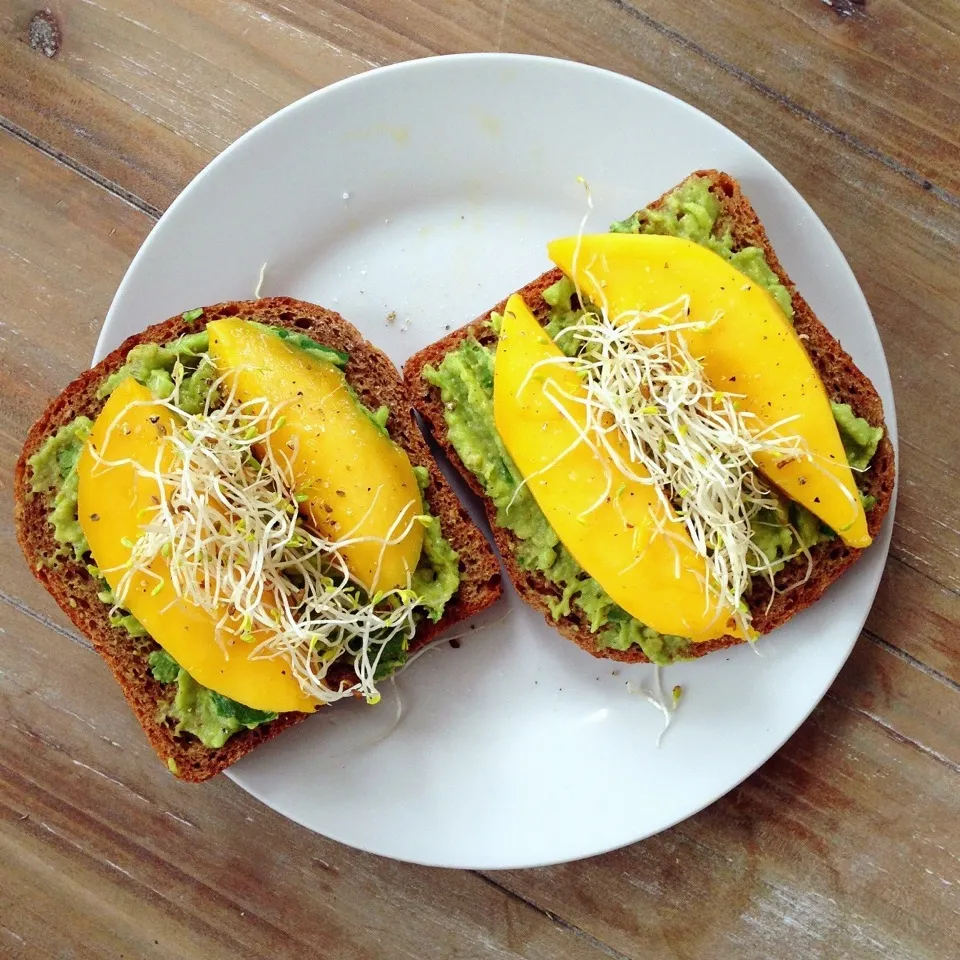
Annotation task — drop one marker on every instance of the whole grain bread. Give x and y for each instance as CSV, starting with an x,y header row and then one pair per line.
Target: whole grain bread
x,y
845,383
375,380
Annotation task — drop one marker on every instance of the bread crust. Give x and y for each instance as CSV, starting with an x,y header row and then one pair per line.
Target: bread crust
x,y
844,381
376,381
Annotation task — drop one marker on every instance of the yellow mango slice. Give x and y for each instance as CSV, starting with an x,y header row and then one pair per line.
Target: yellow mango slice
x,y
113,502
656,578
752,350
357,481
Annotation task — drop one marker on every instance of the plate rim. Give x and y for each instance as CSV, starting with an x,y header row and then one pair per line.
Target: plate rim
x,y
108,340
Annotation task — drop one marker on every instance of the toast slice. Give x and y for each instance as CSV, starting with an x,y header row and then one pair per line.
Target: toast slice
x,y
375,380
845,383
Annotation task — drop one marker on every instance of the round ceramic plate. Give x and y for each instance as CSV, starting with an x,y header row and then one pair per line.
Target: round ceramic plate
x,y
411,199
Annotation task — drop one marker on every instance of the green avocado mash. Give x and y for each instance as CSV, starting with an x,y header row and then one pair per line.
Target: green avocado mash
x,y
859,439
163,667
152,365
54,468
437,575
195,709
209,716
465,380
118,618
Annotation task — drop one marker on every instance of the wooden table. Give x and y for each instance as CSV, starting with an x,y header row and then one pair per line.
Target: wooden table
x,y
846,844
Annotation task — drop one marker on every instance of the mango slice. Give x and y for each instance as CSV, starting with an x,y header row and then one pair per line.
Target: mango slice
x,y
356,481
752,350
113,502
656,578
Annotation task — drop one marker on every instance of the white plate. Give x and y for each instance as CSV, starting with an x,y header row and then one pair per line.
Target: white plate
x,y
430,189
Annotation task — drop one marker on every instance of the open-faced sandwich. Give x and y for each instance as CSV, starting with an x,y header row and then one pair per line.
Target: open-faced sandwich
x,y
674,453
238,510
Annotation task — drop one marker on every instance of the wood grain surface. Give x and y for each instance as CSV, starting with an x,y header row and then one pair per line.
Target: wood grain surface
x,y
845,845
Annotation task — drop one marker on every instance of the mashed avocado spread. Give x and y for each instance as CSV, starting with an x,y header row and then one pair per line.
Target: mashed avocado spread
x,y
54,468
465,380
210,717
195,709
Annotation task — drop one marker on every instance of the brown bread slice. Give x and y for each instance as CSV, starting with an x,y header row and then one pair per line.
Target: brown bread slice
x,y
844,382
376,381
